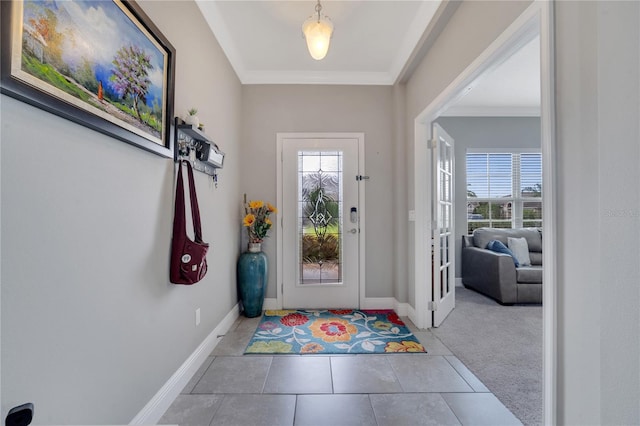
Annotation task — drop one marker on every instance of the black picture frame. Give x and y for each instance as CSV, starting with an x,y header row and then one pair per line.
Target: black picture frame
x,y
99,111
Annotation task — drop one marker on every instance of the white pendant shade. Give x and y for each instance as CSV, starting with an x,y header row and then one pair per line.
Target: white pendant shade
x,y
317,32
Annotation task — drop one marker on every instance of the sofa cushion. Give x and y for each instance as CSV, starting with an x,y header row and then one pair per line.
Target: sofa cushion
x,y
498,247
520,250
482,236
536,258
529,275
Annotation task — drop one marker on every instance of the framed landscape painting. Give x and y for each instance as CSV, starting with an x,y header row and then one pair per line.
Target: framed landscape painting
x,y
100,63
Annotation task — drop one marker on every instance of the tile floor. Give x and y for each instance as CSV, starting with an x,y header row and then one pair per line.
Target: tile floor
x,y
337,390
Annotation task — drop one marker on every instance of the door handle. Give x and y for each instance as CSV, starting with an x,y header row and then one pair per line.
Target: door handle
x,y
353,231
353,215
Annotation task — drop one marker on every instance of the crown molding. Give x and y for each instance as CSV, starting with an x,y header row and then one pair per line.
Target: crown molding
x,y
317,77
497,111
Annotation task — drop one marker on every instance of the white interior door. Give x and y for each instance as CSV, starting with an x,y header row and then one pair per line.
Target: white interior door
x,y
320,223
443,266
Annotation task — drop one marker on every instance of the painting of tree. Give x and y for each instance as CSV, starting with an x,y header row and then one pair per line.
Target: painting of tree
x,y
131,75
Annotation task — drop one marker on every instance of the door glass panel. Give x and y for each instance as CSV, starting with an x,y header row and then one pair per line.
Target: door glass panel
x,y
446,282
445,187
320,221
446,217
448,251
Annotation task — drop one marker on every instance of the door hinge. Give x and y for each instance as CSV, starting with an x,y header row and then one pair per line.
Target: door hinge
x,y
281,288
432,306
433,143
360,177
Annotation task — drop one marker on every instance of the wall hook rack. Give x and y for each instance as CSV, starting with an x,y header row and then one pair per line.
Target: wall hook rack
x,y
197,148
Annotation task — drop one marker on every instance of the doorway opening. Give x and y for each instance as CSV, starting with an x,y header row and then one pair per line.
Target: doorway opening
x,y
536,20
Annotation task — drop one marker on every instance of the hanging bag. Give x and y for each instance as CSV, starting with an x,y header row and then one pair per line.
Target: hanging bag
x,y
188,257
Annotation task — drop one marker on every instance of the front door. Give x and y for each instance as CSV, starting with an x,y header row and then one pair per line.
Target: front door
x,y
320,222
442,234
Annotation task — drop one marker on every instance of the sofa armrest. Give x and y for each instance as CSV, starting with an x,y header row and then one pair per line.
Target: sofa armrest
x,y
467,241
491,273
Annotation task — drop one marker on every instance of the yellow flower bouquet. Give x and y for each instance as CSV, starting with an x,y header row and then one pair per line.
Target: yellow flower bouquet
x,y
256,220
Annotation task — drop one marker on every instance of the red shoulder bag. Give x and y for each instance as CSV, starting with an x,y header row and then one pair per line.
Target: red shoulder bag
x,y
188,257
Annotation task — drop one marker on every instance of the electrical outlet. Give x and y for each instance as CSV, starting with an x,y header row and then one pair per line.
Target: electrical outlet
x,y
197,317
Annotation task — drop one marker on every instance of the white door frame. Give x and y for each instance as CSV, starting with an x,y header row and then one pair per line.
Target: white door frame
x,y
536,19
280,140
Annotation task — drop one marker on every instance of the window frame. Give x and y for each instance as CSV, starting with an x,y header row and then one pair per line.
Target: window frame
x,y
517,201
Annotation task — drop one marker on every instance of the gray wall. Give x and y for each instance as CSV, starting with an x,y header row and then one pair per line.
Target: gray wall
x,y
91,326
268,110
598,208
483,133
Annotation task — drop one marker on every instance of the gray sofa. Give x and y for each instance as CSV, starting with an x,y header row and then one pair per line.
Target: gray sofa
x,y
495,274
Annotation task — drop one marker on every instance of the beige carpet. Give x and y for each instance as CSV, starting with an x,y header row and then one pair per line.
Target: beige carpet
x,y
502,346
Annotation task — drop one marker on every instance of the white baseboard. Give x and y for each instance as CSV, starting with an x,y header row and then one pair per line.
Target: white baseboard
x,y
270,303
411,313
378,303
156,407
386,303
402,309
458,282
368,303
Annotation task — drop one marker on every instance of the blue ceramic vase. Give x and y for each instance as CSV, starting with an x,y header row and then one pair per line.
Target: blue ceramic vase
x,y
252,280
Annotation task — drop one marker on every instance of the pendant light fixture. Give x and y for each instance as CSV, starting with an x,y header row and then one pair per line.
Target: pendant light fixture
x,y
317,30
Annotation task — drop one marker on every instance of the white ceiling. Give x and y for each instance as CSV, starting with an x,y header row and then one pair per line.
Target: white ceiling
x,y
373,41
511,89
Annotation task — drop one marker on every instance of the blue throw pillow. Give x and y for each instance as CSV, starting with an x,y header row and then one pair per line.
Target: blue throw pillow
x,y
499,247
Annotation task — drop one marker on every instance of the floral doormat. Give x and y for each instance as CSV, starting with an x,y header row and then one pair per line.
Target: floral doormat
x,y
332,331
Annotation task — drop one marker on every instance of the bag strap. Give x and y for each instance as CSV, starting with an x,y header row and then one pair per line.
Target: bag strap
x,y
179,221
195,211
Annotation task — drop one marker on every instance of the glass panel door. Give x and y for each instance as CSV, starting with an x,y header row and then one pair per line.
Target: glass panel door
x,y
442,234
321,237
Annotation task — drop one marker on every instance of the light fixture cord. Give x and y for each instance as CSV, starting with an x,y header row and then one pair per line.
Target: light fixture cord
x,y
318,9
